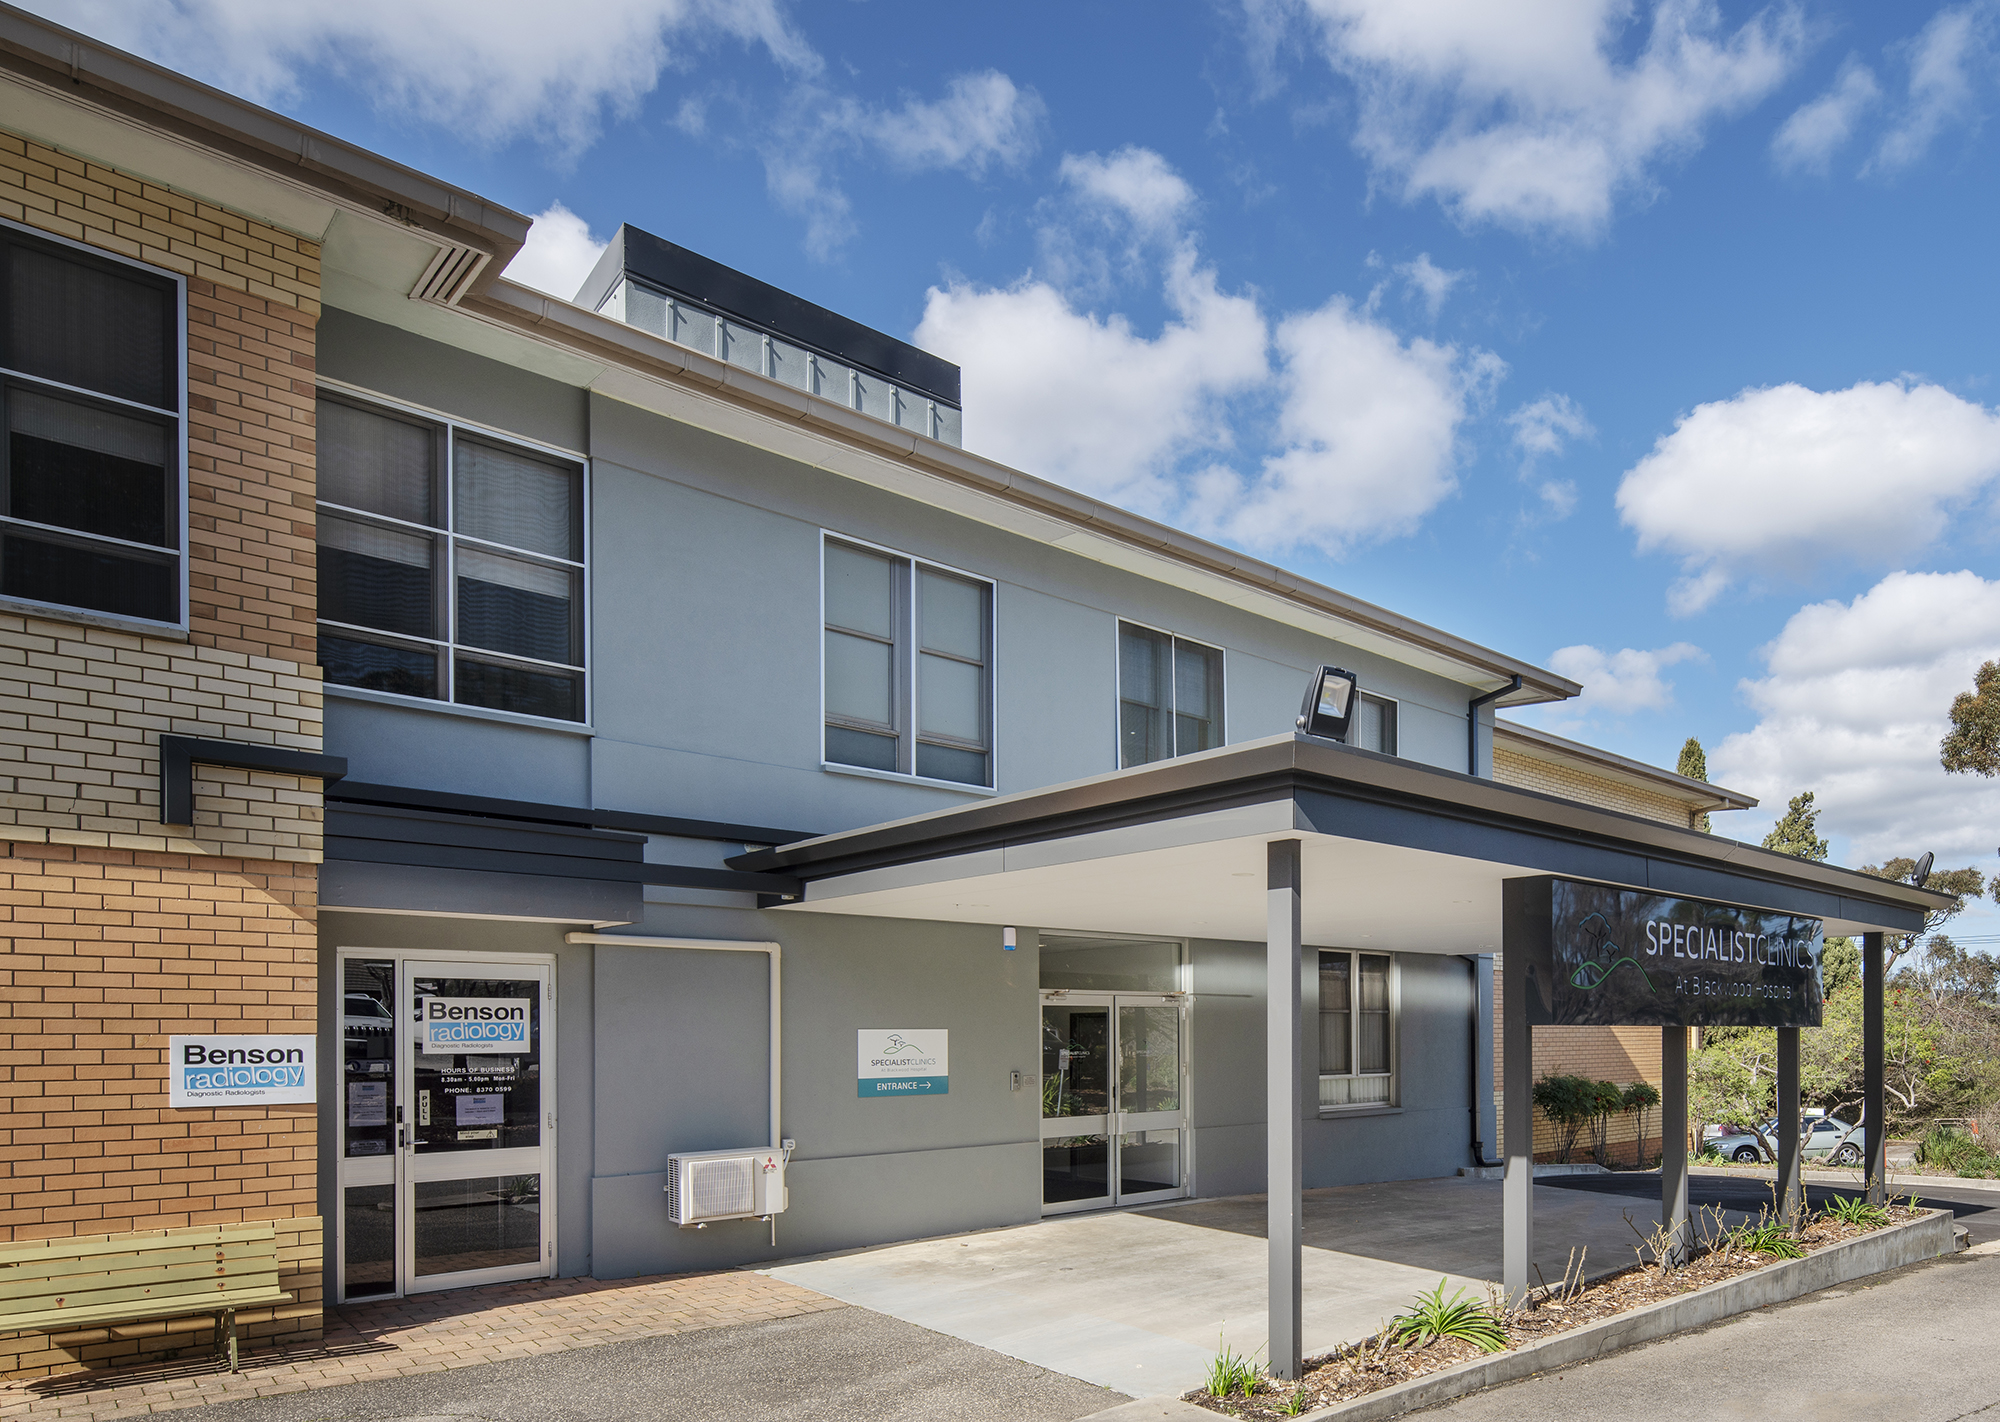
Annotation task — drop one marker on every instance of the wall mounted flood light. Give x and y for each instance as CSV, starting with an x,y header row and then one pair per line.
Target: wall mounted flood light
x,y
1922,876
1329,704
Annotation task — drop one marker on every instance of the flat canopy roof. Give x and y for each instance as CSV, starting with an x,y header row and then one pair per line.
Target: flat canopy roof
x,y
1396,855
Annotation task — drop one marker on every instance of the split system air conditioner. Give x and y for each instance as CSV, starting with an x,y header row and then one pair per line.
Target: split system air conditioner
x,y
703,1186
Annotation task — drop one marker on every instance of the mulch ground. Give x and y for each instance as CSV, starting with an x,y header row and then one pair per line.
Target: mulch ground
x,y
1377,1362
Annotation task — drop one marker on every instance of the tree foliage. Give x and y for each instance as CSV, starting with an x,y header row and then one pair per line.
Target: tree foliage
x,y
1972,745
1694,765
1797,831
1961,884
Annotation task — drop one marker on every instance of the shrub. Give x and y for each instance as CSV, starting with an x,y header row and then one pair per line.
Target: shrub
x,y
1853,1210
1570,1103
1944,1148
1435,1316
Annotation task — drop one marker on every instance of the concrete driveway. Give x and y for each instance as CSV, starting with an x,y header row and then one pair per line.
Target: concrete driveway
x,y
1138,1300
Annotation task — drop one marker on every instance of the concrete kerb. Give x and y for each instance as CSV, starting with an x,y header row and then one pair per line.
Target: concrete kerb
x,y
1911,1243
1852,1179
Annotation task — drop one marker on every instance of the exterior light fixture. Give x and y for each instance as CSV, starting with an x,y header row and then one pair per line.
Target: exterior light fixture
x,y
1329,704
1922,874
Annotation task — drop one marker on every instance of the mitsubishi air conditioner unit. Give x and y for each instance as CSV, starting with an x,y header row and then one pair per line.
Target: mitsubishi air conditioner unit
x,y
704,1186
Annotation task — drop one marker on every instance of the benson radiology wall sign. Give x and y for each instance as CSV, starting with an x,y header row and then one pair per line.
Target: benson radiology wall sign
x,y
910,1061
241,1071
1622,958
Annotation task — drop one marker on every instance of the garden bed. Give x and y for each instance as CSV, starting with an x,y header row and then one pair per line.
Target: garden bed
x,y
1380,1362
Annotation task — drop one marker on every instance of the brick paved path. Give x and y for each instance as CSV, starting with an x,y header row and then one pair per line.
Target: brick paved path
x,y
428,1333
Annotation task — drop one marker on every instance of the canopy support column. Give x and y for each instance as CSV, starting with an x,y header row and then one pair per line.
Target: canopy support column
x,y
1674,1143
1874,1120
1791,1185
1517,1070
1284,1113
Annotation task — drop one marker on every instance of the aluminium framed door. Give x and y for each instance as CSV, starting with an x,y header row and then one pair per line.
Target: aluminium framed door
x,y
1114,1099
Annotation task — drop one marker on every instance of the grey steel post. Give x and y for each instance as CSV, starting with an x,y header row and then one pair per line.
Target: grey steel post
x,y
1791,1185
1875,1136
1284,1112
1517,1069
1674,1141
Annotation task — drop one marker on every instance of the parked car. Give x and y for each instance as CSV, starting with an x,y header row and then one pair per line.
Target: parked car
x,y
1831,1139
1820,1138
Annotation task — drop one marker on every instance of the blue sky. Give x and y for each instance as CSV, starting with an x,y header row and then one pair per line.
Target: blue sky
x,y
1648,341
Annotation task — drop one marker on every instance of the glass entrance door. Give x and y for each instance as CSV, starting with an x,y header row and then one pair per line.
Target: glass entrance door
x,y
446,1124
1114,1096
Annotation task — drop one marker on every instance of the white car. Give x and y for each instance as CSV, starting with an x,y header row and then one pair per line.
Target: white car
x,y
1820,1138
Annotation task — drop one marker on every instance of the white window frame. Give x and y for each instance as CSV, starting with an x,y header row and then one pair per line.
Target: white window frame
x,y
906,642
1393,708
1118,690
1395,1071
62,610
449,644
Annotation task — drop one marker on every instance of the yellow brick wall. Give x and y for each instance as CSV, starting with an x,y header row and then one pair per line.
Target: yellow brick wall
x,y
120,931
1573,783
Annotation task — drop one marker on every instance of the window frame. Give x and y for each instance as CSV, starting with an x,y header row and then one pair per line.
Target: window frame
x,y
446,594
1173,715
906,652
1394,1101
64,611
1393,709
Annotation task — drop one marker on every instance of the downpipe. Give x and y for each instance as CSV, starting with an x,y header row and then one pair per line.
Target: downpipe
x,y
1473,1059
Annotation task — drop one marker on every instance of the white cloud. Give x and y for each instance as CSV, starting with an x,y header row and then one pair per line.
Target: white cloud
x,y
1941,84
1617,683
1852,707
558,254
1530,115
1817,130
1429,282
1137,183
1542,430
1779,480
492,70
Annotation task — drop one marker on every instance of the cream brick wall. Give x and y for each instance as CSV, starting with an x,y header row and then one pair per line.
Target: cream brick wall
x,y
1574,783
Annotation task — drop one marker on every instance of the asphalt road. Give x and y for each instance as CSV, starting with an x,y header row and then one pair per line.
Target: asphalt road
x,y
1915,1345
1977,1210
846,1365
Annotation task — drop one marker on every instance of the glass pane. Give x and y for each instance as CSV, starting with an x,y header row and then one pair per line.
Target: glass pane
x,y
368,1032
858,679
79,467
487,1094
406,671
947,763
383,463
860,591
92,326
850,747
526,690
368,1237
50,569
1144,663
486,1223
1365,730
1149,1160
952,615
1149,1058
1335,1014
1372,1048
1355,1090
1076,1168
371,576
950,698
1197,698
1110,964
512,605
1076,1060
506,496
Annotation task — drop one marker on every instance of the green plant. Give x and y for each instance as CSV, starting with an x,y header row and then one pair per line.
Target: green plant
x,y
1641,1096
1764,1237
1433,1316
1230,1372
1853,1210
1570,1103
1946,1148
1296,1404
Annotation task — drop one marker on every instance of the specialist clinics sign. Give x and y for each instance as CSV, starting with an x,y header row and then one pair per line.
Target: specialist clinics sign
x,y
914,1061
1622,958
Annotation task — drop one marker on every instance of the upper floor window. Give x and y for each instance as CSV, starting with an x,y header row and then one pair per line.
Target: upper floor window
x,y
1374,724
91,487
908,666
1169,695
1357,1029
451,563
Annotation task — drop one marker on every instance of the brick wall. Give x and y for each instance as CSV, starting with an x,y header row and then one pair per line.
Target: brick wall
x,y
121,931
1510,767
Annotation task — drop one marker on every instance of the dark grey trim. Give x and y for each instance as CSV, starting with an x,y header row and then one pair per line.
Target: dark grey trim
x,y
180,754
1356,794
706,282
1472,720
403,888
357,792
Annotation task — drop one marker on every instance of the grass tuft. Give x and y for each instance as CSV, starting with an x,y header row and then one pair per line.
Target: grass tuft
x,y
1853,1210
1229,1372
1433,1316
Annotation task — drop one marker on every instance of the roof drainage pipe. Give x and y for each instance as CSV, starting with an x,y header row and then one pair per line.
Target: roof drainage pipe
x,y
724,945
1480,1048
1472,721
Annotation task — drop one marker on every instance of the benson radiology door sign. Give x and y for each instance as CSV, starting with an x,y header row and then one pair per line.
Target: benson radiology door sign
x,y
910,1062
241,1071
477,1024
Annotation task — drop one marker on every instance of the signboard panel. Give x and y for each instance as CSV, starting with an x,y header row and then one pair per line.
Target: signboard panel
x,y
1623,958
910,1062
241,1071
476,1024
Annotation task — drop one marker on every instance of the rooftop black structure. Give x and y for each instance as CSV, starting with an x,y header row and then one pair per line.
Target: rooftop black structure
x,y
692,277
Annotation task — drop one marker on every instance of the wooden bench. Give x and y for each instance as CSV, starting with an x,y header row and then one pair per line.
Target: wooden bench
x,y
57,1284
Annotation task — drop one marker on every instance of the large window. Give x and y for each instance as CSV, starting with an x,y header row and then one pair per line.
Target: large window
x,y
909,666
1169,695
1357,1030
91,490
451,563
